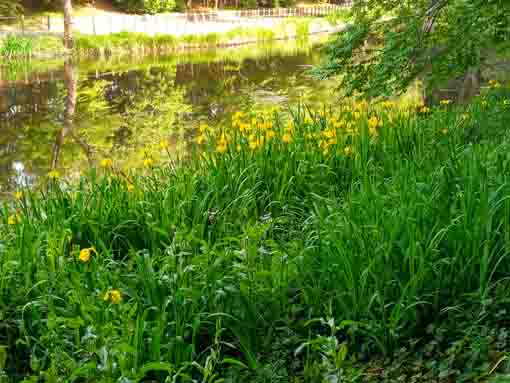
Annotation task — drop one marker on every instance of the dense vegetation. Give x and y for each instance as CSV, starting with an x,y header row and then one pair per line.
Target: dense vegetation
x,y
10,7
150,6
21,48
398,40
369,242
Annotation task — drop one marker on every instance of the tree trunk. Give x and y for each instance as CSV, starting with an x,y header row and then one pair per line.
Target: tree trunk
x,y
71,83
68,24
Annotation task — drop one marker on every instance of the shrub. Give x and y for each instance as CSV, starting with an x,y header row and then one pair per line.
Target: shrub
x,y
146,6
9,8
48,4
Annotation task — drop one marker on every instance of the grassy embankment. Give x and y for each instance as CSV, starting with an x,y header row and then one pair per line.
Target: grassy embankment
x,y
16,70
139,43
366,243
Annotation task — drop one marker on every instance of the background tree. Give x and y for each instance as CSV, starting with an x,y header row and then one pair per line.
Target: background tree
x,y
68,24
9,8
390,42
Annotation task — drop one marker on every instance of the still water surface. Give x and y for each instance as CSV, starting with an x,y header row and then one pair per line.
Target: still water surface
x,y
124,107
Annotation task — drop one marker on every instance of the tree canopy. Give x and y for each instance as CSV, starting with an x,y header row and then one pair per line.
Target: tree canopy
x,y
390,42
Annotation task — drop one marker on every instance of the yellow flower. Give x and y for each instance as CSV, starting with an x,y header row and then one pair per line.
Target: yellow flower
x,y
287,138
363,104
200,139
348,150
113,296
106,163
13,220
130,187
85,254
388,104
270,134
338,124
238,148
163,144
290,127
252,145
268,125
221,147
53,175
203,128
424,109
445,102
373,124
148,162
357,115
238,115
329,133
255,142
18,195
244,127
494,84
444,131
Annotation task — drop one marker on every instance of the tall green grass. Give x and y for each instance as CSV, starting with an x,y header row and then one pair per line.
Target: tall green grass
x,y
287,257
125,42
15,47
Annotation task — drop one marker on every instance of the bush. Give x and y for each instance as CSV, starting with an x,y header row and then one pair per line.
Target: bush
x,y
146,6
9,8
47,4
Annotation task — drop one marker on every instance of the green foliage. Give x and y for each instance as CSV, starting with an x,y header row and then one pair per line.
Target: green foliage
x,y
55,5
126,42
10,8
16,47
390,43
339,16
248,4
364,232
146,6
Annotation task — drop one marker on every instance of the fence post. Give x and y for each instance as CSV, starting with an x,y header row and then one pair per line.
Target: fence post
x,y
94,32
49,23
23,25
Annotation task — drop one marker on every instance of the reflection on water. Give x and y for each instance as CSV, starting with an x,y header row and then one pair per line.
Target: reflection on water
x,y
70,117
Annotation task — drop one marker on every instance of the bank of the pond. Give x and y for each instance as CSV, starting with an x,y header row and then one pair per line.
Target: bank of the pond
x,y
124,43
364,242
39,70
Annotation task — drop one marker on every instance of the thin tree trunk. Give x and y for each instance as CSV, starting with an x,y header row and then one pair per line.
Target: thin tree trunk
x,y
70,109
68,24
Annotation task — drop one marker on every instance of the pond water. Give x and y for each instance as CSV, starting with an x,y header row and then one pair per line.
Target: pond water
x,y
70,117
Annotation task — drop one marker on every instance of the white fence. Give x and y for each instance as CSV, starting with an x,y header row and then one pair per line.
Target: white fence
x,y
179,24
